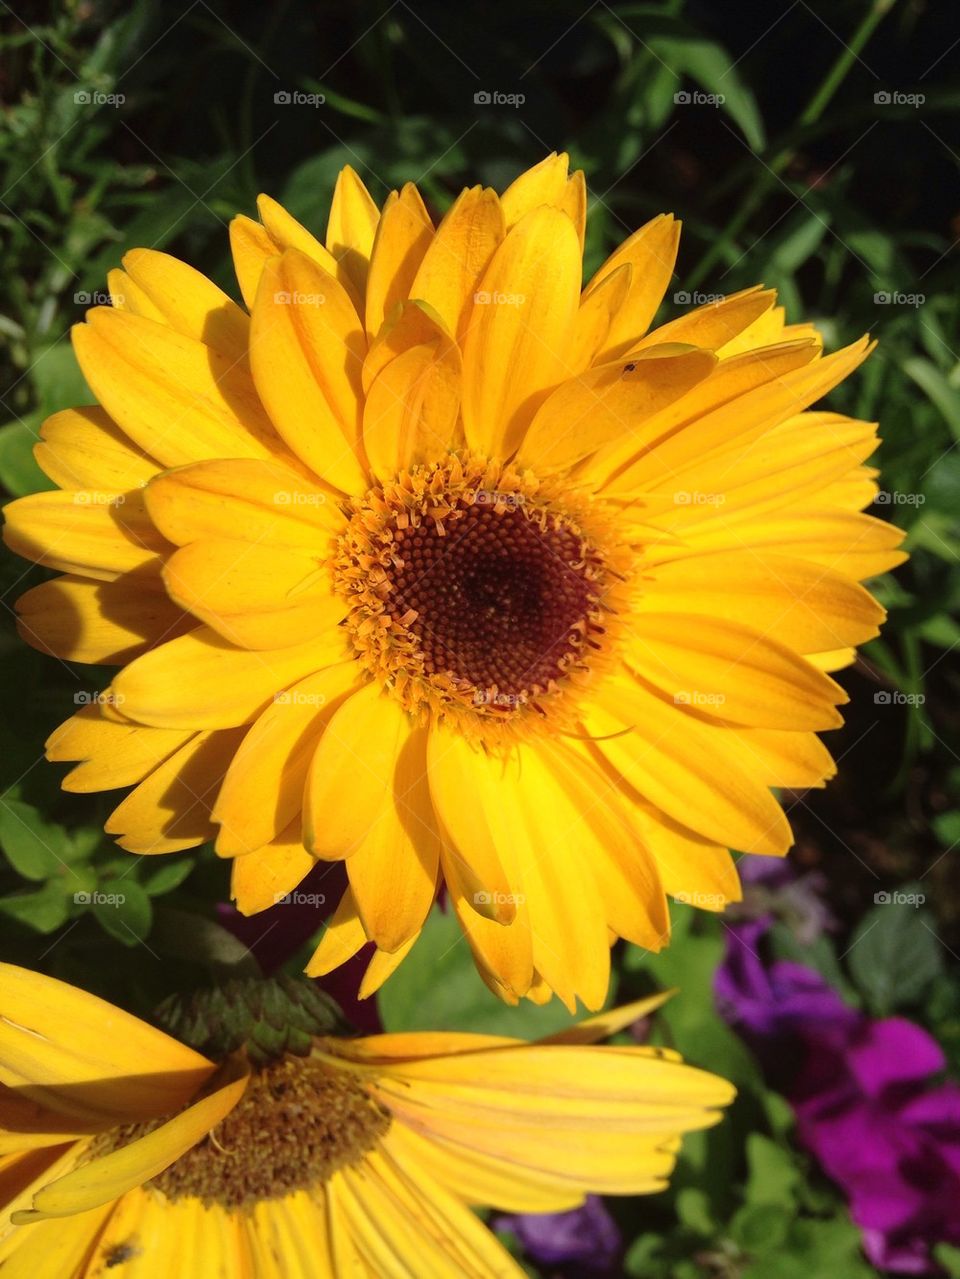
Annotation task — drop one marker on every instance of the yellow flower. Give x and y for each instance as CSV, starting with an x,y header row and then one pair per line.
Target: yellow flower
x,y
439,565
123,1152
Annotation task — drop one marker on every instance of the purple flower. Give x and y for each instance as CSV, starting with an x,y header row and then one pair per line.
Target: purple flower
x,y
586,1236
863,1094
774,1001
866,1108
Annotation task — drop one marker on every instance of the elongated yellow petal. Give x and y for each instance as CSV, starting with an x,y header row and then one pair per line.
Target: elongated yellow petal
x,y
261,502
402,238
731,671
111,622
672,760
393,872
609,402
352,225
262,879
808,607
518,336
341,806
202,681
307,349
94,534
263,789
651,252
411,410
189,302
106,1178
459,253
82,1058
170,810
259,597
83,449
715,324
178,399
113,753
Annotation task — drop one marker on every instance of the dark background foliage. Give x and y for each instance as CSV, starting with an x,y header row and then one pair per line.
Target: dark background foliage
x,y
811,146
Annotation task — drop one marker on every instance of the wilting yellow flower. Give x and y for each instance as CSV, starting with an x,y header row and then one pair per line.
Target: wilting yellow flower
x,y
123,1152
437,564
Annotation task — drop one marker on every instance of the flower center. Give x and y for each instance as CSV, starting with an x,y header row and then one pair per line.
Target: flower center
x,y
471,588
298,1122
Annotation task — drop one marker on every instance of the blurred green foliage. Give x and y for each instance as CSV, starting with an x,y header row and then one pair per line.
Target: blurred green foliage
x,y
812,147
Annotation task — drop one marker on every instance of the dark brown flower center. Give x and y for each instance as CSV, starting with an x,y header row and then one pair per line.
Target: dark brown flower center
x,y
298,1122
499,599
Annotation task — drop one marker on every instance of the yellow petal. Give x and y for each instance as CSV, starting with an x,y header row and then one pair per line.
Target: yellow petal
x,y
469,842
607,403
263,789
259,597
81,1057
349,787
251,245
716,323
108,1177
352,225
87,621
83,449
545,183
307,350
341,940
411,411
170,810
807,607
287,233
730,671
202,681
95,534
55,1249
260,502
402,238
410,324
178,399
597,312
393,872
651,252
517,341
114,753
189,302
262,879
459,253
673,761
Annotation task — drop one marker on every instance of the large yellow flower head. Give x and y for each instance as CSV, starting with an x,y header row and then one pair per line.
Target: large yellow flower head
x,y
441,564
124,1152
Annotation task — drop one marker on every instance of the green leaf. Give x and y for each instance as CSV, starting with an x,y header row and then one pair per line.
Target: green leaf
x,y
35,848
761,1228
19,473
168,876
937,389
949,1258
122,908
57,379
44,910
895,954
773,1176
437,987
687,53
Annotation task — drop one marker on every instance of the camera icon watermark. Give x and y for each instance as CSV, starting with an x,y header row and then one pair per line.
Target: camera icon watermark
x,y
894,98
897,898
498,899
96,98
894,697
297,298
106,698
495,98
698,697
97,298
295,98
896,298
894,497
96,898
297,898
697,98
696,298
